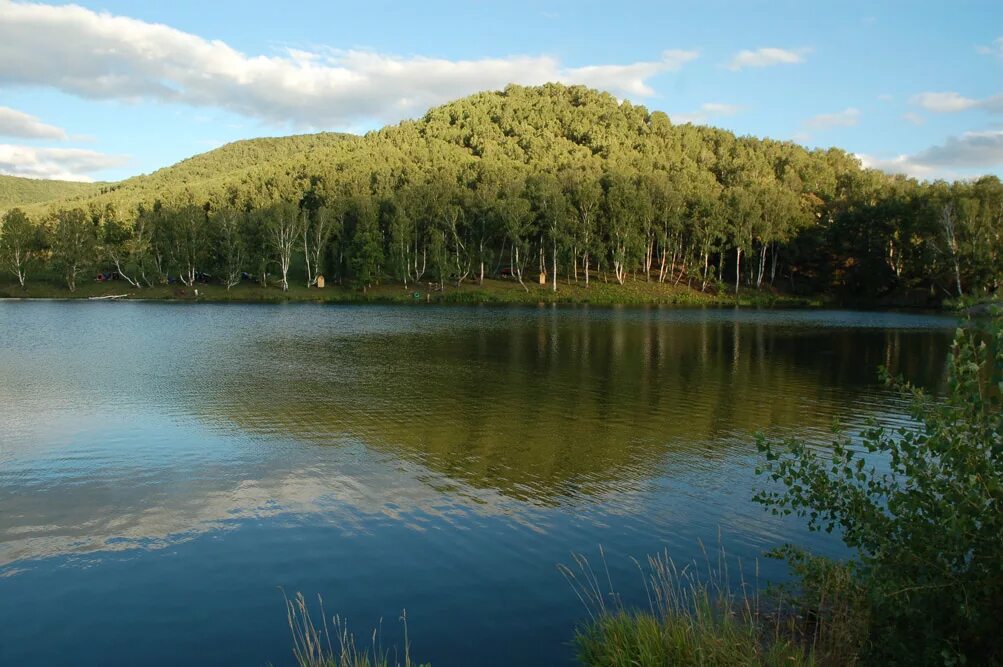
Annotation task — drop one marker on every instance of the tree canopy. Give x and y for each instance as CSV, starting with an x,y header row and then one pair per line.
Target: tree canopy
x,y
558,181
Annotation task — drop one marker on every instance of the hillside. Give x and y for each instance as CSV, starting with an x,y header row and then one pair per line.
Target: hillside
x,y
566,181
217,169
532,128
17,191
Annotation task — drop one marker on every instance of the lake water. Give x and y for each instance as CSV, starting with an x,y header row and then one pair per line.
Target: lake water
x,y
166,469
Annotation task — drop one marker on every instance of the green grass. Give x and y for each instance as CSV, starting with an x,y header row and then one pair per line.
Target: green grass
x,y
695,617
635,293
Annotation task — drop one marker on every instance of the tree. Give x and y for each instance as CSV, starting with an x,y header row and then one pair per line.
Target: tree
x,y
317,228
744,212
74,244
921,507
551,209
128,247
949,226
283,223
20,242
400,232
620,208
584,195
228,245
366,255
485,187
188,241
517,214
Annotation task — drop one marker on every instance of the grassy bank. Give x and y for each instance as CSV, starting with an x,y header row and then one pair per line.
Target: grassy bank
x,y
491,292
707,613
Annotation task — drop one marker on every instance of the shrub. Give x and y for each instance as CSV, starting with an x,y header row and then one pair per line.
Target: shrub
x,y
923,509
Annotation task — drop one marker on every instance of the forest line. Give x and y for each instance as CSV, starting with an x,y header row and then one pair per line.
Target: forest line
x,y
551,184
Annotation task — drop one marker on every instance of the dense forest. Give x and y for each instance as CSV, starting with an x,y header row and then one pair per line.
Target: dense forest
x,y
549,184
17,191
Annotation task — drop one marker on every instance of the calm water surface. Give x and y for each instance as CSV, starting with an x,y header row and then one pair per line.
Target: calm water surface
x,y
165,469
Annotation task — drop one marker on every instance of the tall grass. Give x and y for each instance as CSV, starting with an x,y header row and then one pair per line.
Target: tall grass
x,y
313,645
696,615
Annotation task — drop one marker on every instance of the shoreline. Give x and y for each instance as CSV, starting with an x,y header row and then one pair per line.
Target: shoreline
x,y
495,292
492,292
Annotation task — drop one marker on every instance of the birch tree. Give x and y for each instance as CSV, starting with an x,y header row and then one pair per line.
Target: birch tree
x,y
74,244
284,222
20,242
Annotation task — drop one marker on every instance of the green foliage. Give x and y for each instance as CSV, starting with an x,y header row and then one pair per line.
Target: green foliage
x,y
17,191
365,246
570,183
20,243
74,244
922,507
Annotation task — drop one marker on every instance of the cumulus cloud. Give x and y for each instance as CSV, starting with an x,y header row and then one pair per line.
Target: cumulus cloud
x,y
103,56
706,112
68,164
952,102
845,118
14,123
767,57
970,151
913,118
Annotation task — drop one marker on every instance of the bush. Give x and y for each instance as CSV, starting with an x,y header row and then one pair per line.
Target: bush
x,y
923,509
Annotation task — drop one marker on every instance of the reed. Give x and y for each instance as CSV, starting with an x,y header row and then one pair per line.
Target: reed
x,y
699,614
332,644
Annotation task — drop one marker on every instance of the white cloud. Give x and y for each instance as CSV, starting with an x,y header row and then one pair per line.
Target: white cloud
x,y
99,55
707,111
14,123
952,102
913,118
766,57
69,164
902,164
948,102
845,118
970,151
994,49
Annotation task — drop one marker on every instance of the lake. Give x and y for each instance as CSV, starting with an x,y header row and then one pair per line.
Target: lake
x,y
167,470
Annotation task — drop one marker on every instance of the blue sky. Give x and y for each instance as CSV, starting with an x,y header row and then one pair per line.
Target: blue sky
x,y
105,90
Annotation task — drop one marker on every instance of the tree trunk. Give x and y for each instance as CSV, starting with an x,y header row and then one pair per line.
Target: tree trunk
x,y
306,258
553,257
762,266
738,267
773,261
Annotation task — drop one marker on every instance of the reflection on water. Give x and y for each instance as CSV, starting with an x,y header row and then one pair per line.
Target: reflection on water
x,y
164,467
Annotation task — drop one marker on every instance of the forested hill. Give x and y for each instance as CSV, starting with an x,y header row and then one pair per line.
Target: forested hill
x,y
16,191
564,181
529,129
230,165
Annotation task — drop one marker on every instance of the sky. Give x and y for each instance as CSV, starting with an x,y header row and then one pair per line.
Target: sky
x,y
110,89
